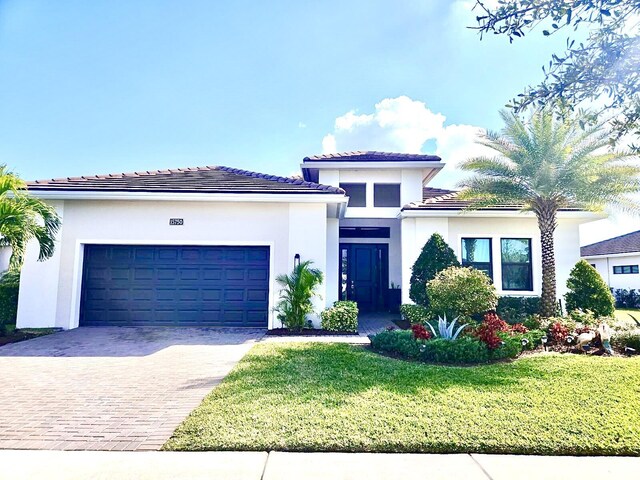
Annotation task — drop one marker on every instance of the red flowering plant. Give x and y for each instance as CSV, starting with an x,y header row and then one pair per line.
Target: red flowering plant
x,y
581,330
518,328
558,333
487,331
419,332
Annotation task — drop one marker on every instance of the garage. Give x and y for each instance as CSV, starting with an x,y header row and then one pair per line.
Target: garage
x,y
167,285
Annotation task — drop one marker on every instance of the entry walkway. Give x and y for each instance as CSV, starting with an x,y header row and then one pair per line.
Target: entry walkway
x,y
368,324
59,465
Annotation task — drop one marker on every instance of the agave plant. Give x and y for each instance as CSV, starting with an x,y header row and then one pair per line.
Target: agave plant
x,y
445,329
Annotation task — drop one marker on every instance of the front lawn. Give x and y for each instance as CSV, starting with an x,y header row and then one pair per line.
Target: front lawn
x,y
337,397
624,313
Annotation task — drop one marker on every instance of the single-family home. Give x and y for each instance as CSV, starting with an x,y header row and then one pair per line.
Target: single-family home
x,y
202,246
617,260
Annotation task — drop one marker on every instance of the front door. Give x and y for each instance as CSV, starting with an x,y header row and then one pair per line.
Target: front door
x,y
364,275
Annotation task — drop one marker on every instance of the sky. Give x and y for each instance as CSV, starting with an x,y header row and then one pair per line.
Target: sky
x,y
104,87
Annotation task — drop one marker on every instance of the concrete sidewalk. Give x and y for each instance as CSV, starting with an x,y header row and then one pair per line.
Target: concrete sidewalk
x,y
96,465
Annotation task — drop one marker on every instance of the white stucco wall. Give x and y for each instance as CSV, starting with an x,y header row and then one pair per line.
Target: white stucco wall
x,y
604,266
416,231
50,291
5,254
410,181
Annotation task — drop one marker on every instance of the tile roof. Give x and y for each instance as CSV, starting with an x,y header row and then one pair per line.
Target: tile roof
x,y
441,199
371,156
627,243
210,179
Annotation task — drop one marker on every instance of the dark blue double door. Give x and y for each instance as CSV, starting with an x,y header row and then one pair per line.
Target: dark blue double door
x,y
146,285
364,275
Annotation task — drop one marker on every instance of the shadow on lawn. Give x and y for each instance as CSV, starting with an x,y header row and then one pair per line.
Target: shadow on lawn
x,y
324,367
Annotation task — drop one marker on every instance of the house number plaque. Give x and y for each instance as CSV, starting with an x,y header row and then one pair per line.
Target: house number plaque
x,y
176,221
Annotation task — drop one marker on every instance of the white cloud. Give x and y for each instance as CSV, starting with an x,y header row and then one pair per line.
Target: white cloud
x,y
404,125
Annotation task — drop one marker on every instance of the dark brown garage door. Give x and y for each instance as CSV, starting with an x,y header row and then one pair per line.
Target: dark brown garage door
x,y
142,285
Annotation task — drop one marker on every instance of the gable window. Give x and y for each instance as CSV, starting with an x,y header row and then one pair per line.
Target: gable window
x,y
625,269
386,195
357,193
476,253
517,273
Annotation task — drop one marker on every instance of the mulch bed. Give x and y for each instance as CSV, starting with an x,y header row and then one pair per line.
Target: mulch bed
x,y
306,332
26,334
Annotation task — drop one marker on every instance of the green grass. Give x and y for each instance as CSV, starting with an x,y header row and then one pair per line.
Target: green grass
x,y
336,397
623,313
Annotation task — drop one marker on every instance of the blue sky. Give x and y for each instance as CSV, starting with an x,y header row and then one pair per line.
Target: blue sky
x,y
98,87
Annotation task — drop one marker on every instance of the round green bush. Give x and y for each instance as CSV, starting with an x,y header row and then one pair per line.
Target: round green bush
x,y
461,291
342,317
400,342
587,291
414,314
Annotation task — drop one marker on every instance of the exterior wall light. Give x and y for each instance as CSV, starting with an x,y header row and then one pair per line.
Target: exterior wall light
x,y
296,260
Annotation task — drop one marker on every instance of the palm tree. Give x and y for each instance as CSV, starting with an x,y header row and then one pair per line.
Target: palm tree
x,y
298,288
546,164
24,218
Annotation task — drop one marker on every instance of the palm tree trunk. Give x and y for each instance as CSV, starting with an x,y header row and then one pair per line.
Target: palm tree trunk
x,y
547,222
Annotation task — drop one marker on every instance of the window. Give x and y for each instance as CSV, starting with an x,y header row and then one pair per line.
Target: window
x,y
476,253
357,193
516,264
386,195
593,265
365,232
625,269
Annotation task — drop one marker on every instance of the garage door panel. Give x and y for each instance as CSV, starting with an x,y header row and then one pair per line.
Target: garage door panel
x,y
170,285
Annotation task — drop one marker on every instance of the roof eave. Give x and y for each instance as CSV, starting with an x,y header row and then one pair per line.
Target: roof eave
x,y
308,196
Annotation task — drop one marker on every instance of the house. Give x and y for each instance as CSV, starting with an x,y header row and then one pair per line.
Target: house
x,y
617,260
203,246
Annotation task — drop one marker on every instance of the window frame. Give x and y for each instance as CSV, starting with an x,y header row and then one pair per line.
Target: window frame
x,y
347,185
471,264
633,269
529,287
375,196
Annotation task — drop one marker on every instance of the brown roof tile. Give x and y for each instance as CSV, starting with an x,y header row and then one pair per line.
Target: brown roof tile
x,y
209,179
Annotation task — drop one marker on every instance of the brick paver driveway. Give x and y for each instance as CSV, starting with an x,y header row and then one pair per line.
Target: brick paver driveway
x,y
110,388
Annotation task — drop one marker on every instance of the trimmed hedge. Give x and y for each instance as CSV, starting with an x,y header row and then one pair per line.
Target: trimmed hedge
x,y
342,317
9,285
414,314
517,309
587,291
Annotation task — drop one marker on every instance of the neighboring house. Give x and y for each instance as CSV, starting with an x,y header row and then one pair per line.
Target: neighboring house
x,y
203,246
617,260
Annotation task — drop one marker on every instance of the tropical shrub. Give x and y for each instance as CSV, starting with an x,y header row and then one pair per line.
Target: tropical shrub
x,y
298,290
587,291
558,333
414,313
342,317
627,298
436,255
446,329
9,284
400,342
487,331
463,350
420,332
626,339
517,309
510,347
585,317
461,292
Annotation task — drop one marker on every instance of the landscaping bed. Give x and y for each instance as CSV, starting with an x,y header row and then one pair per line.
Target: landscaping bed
x,y
13,336
337,397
